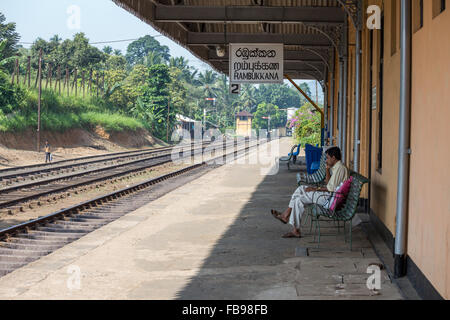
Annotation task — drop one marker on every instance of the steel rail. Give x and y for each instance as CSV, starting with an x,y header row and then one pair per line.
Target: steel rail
x,y
5,233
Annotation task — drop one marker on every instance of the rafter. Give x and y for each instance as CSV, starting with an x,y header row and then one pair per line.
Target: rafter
x,y
249,14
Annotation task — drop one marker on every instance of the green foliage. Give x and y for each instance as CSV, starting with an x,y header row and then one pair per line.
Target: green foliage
x,y
141,84
154,104
306,125
110,122
138,50
76,53
267,110
11,37
10,95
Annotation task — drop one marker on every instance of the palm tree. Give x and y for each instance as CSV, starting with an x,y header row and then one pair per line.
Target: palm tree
x,y
183,64
153,58
248,98
207,81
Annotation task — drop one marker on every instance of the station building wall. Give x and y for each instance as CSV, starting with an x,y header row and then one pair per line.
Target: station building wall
x,y
428,226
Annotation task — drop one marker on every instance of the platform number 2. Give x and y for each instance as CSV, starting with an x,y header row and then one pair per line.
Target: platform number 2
x,y
235,88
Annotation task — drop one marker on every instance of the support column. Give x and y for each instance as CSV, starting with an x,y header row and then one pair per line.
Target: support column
x,y
341,96
357,101
404,140
325,106
331,127
344,111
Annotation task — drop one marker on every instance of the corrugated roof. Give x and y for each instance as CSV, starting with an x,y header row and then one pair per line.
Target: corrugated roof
x,y
181,31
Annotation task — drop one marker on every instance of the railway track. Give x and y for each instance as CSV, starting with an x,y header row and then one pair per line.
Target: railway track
x,y
27,242
34,189
19,175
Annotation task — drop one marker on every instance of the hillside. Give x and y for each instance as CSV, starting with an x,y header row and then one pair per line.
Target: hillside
x,y
18,149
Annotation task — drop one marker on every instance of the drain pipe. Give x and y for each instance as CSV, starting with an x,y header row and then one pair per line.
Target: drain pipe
x,y
404,140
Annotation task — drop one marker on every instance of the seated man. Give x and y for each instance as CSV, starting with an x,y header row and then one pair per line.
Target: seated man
x,y
336,173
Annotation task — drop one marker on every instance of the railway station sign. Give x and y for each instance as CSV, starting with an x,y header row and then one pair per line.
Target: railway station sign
x,y
256,63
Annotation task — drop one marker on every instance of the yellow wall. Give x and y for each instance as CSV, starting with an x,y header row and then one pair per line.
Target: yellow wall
x,y
428,237
384,182
429,198
244,128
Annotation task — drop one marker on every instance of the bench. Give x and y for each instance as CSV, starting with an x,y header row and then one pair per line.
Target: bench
x,y
344,214
291,156
317,178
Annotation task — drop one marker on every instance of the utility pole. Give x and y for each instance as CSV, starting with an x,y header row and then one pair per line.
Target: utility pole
x,y
167,126
317,94
39,102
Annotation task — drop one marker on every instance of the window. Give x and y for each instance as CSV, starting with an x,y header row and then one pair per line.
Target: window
x,y
421,13
417,15
393,26
438,7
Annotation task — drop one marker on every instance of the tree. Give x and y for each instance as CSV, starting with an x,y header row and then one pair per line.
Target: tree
x,y
138,50
8,33
116,62
267,110
76,53
108,50
153,58
306,124
9,93
155,100
177,91
248,99
135,85
4,61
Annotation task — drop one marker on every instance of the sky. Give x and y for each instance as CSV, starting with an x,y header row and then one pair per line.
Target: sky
x,y
100,20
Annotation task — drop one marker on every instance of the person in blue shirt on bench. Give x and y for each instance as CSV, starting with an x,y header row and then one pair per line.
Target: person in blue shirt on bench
x,y
336,173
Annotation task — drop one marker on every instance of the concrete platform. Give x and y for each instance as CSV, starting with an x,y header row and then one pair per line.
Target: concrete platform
x,y
213,238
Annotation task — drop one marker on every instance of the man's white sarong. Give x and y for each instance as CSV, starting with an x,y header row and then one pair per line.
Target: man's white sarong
x,y
300,198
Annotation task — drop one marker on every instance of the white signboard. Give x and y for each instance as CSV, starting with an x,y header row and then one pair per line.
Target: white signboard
x,y
256,63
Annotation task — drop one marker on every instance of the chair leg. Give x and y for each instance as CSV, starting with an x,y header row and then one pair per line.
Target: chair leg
x,y
304,220
315,230
350,235
318,225
345,232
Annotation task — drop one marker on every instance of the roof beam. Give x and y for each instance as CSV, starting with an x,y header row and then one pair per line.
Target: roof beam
x,y
304,40
249,14
289,55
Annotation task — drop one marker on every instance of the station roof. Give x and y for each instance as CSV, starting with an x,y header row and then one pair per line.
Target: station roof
x,y
307,28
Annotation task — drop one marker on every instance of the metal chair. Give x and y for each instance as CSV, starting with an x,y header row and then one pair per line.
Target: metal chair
x,y
291,156
345,213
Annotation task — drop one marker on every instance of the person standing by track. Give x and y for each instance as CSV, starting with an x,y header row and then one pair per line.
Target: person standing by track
x,y
48,155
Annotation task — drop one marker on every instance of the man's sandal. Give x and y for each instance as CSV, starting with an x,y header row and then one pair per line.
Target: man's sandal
x,y
290,235
277,215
